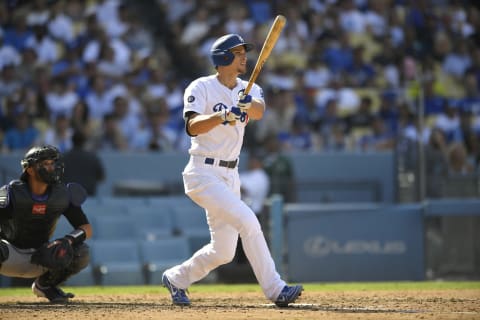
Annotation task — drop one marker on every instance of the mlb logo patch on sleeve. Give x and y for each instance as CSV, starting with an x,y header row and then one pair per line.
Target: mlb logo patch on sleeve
x,y
39,208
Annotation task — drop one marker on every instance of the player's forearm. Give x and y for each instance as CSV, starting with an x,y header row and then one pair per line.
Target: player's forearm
x,y
88,230
255,112
203,123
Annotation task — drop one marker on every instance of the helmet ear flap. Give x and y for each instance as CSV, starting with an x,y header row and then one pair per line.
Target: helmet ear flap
x,y
25,163
222,57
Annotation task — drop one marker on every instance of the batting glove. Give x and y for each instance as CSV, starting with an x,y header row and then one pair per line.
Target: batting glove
x,y
237,111
227,116
244,101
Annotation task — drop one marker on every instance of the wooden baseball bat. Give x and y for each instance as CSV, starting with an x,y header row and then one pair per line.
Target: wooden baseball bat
x,y
268,45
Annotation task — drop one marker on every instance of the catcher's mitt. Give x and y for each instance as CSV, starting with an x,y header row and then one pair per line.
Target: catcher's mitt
x,y
56,254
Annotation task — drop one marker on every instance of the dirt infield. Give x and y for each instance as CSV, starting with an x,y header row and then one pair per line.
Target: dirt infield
x,y
407,304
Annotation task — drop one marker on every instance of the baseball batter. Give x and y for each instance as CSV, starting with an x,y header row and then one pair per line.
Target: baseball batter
x,y
29,210
216,112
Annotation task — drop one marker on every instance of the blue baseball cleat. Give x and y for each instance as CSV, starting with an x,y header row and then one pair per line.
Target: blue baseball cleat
x,y
179,296
288,295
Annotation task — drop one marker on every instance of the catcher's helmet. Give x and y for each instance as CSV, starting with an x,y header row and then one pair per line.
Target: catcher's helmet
x,y
35,156
220,51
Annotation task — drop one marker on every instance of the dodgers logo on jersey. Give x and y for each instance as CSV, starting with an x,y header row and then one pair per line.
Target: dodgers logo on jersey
x,y
241,116
219,107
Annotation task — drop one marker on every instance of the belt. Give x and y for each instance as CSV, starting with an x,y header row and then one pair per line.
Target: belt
x,y
222,163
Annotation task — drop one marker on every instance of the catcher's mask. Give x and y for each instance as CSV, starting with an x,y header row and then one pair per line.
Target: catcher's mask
x,y
34,158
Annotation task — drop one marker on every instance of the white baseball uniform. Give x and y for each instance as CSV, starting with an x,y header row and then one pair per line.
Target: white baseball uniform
x,y
216,188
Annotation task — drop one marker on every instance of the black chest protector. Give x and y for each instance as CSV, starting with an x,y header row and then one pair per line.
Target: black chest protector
x,y
33,222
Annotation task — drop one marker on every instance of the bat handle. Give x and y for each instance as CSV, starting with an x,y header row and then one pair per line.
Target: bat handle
x,y
248,88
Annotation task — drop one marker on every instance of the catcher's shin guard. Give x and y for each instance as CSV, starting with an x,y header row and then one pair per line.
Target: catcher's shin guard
x,y
4,252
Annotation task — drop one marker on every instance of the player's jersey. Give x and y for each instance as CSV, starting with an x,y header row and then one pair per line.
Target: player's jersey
x,y
206,95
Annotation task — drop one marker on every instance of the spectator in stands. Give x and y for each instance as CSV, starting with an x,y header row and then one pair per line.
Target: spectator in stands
x,y
279,169
458,162
128,121
109,135
346,98
416,131
255,183
108,66
299,137
83,166
45,47
27,69
379,139
434,103
17,34
174,100
279,116
436,163
360,74
80,120
60,135
448,121
332,129
351,19
137,37
156,134
38,13
467,134
458,60
389,111
61,98
338,54
22,135
8,54
9,83
238,20
197,27
7,115
470,102
60,25
99,100
156,86
112,16
316,75
363,117
70,69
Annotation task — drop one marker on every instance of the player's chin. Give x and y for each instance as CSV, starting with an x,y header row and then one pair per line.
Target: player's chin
x,y
242,69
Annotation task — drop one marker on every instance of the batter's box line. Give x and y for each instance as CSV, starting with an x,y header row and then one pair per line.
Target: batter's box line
x,y
316,307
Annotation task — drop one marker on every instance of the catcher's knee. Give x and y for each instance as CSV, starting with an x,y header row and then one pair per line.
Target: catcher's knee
x,y
81,257
4,252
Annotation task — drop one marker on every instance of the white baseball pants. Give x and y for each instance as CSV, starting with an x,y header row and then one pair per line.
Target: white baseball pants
x,y
217,190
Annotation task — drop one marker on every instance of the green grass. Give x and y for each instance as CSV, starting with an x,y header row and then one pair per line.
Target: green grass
x,y
348,286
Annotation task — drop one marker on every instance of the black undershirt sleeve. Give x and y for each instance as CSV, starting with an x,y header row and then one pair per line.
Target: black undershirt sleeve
x,y
187,116
76,216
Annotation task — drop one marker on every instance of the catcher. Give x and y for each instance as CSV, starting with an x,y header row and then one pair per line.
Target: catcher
x,y
29,210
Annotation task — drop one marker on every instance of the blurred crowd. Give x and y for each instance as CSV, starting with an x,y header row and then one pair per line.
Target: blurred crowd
x,y
346,75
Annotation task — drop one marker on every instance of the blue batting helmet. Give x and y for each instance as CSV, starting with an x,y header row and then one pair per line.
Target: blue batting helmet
x,y
220,52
